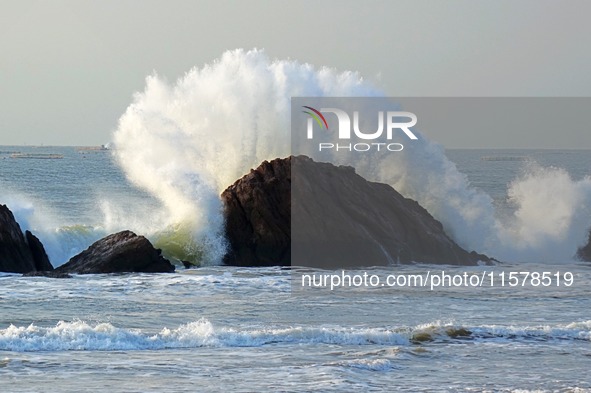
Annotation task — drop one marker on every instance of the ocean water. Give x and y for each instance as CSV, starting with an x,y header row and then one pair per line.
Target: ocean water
x,y
246,329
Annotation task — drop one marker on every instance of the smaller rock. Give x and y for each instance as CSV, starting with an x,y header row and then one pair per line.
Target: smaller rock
x,y
421,337
483,258
458,332
123,252
19,253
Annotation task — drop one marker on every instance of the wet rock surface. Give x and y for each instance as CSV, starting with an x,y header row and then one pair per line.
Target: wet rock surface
x,y
19,253
123,252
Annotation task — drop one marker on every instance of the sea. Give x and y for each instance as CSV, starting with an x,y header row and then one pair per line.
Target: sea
x,y
218,328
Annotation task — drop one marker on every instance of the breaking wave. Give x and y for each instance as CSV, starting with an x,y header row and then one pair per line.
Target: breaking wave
x,y
185,142
80,335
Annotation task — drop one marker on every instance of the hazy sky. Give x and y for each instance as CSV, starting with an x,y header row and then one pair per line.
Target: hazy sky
x,y
68,69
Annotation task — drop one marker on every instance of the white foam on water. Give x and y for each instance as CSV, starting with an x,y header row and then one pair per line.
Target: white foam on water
x,y
370,364
81,335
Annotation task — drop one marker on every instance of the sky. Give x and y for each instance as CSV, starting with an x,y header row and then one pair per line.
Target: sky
x,y
68,69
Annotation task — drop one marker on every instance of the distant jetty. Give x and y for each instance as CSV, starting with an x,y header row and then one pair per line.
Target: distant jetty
x,y
38,156
504,158
91,149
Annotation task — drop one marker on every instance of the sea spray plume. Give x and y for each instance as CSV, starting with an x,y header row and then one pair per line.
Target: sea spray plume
x,y
185,143
61,240
552,215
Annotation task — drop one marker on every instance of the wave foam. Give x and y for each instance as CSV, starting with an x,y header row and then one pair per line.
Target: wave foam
x,y
80,335
370,364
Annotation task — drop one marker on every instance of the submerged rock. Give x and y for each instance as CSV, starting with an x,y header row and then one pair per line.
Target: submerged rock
x,y
19,253
340,220
189,264
50,274
123,252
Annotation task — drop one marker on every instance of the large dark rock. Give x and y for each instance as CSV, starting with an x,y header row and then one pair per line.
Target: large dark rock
x,y
123,252
257,213
19,253
339,220
584,253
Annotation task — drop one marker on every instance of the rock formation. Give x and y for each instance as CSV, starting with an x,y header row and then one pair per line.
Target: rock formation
x,y
19,253
257,213
123,252
339,220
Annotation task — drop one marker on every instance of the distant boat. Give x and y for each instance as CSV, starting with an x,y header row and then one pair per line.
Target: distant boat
x,y
504,158
41,156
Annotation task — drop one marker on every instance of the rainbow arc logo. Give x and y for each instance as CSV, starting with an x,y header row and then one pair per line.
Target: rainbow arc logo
x,y
316,115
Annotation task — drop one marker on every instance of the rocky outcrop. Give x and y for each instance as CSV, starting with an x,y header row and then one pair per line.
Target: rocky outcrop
x,y
584,253
257,213
38,251
19,253
339,220
123,252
